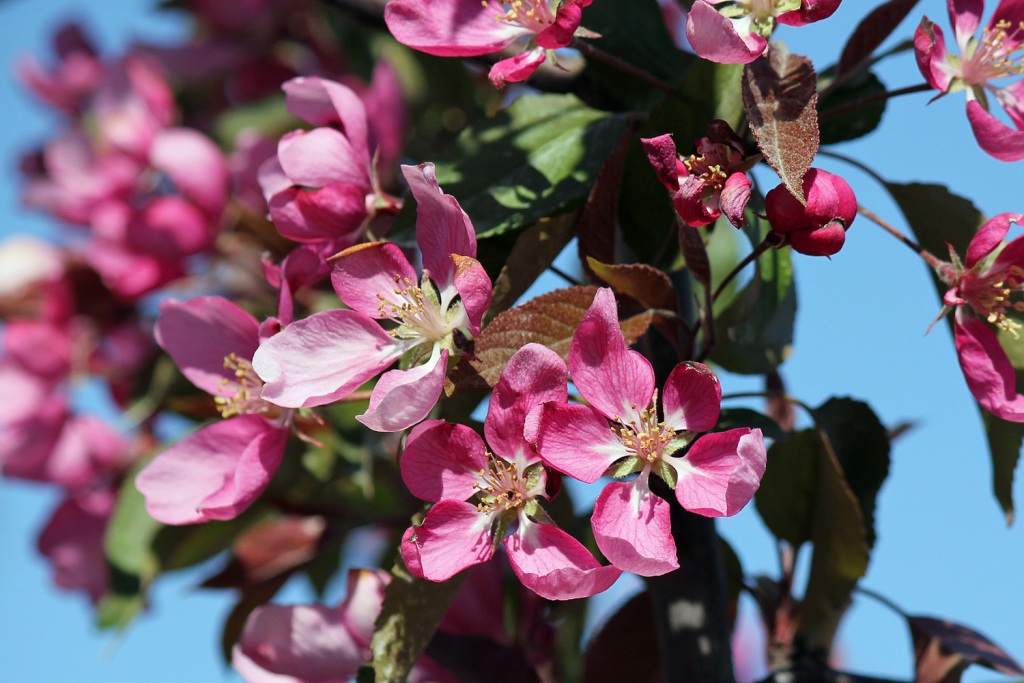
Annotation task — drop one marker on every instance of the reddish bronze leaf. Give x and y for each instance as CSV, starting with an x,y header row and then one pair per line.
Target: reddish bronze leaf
x,y
695,252
597,224
779,96
550,319
630,629
943,649
872,32
649,286
269,550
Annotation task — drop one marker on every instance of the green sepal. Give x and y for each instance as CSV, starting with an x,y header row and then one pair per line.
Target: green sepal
x,y
625,467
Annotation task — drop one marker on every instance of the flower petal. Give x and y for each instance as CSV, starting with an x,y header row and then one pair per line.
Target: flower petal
x,y
930,53
714,37
404,397
989,236
615,380
216,472
554,565
661,152
734,197
441,461
314,158
366,276
322,102
458,28
474,288
200,333
721,472
516,69
692,398
319,213
322,358
993,136
576,440
989,374
195,165
453,536
442,227
632,528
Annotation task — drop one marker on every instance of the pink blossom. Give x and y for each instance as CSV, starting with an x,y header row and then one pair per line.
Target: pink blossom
x,y
321,187
739,33
620,433
219,470
69,83
985,290
72,541
706,184
981,63
328,355
817,228
312,643
448,464
467,28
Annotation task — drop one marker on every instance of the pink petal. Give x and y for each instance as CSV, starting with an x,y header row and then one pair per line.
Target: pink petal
x,y
734,198
216,472
692,398
989,236
364,596
534,374
453,536
402,398
516,69
442,227
993,136
965,16
560,33
616,381
322,102
930,53
1011,98
195,165
323,358
632,528
577,440
272,177
72,541
304,643
661,152
721,472
451,28
321,156
554,565
474,288
692,205
319,213
366,276
200,333
441,461
990,375
714,37
810,11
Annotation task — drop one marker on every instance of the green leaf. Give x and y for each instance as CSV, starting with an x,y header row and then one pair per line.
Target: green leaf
x,y
732,418
937,217
787,496
532,161
410,614
754,330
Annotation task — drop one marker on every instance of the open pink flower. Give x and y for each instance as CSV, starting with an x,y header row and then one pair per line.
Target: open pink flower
x,y
620,433
448,464
708,183
466,28
328,355
219,470
312,643
984,290
738,33
320,186
980,64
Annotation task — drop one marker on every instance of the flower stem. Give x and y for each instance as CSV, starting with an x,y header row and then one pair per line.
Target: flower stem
x,y
622,65
921,251
770,240
873,99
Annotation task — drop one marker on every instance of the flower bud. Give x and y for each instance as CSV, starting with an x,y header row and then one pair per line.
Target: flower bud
x,y
819,228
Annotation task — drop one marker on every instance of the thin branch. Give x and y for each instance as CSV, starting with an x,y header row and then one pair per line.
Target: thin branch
x,y
921,251
873,99
770,240
589,50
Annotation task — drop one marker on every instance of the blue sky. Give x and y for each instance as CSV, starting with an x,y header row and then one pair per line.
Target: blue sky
x,y
943,548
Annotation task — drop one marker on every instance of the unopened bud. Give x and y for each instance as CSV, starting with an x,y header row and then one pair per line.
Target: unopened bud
x,y
819,228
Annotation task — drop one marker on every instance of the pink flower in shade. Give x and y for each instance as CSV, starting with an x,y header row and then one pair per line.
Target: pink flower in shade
x,y
72,541
467,28
69,83
819,227
706,184
620,433
328,355
984,290
321,186
738,32
995,57
448,464
220,469
312,643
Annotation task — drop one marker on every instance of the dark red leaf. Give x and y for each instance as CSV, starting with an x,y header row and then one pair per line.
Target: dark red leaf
x,y
872,32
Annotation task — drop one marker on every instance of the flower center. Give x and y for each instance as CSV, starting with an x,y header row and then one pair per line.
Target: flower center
x,y
533,15
713,163
997,55
418,313
993,298
247,386
645,437
500,487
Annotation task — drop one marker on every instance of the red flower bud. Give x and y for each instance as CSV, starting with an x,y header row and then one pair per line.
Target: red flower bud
x,y
818,229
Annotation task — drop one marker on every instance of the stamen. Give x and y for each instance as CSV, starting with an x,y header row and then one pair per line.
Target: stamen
x,y
247,384
500,487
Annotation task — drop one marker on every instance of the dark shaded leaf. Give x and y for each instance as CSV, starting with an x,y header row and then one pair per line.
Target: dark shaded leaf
x,y
787,496
849,125
731,418
630,629
943,649
779,95
598,224
695,254
478,659
872,32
